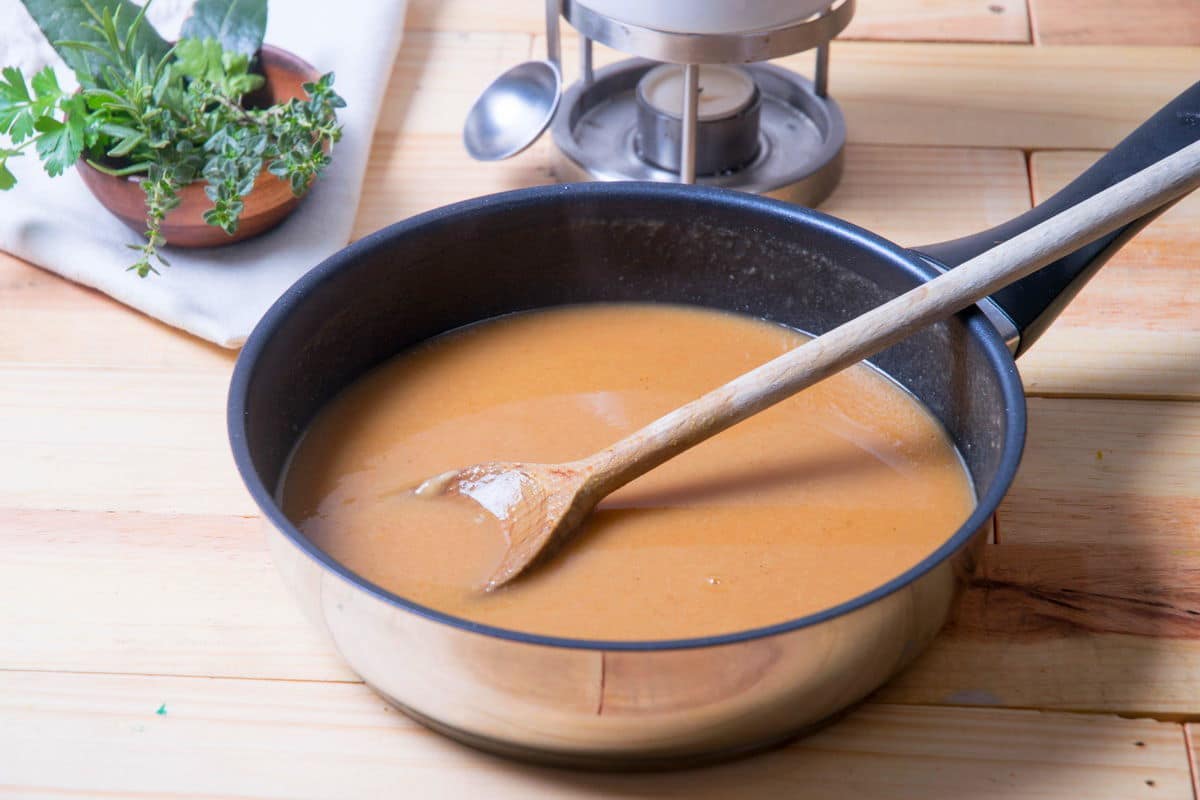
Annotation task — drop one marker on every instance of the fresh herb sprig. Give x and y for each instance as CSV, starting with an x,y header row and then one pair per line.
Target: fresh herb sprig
x,y
172,115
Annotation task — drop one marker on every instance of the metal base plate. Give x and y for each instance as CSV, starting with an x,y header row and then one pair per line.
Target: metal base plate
x,y
802,136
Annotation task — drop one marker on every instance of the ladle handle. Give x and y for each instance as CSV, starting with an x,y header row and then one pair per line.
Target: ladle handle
x,y
884,325
553,36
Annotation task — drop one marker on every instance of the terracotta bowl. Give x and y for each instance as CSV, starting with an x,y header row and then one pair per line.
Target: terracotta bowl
x,y
267,205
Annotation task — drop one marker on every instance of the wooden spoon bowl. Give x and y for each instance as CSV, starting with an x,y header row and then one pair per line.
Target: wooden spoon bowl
x,y
269,202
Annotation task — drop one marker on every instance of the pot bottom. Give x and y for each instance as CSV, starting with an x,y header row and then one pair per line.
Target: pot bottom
x,y
608,762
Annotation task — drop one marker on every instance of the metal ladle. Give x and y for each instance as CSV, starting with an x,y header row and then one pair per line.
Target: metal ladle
x,y
519,105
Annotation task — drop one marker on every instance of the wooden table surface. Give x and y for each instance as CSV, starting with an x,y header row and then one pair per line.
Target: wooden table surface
x,y
147,648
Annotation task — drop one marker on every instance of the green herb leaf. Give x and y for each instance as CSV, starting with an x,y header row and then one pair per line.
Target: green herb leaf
x,y
238,25
12,87
200,59
23,124
126,145
15,118
205,60
47,91
61,143
82,21
172,121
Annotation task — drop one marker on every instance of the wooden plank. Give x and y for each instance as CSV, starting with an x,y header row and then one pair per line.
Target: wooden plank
x,y
916,195
438,75
71,441
947,20
1141,676
1087,361
1101,473
912,195
1054,591
987,95
1070,627
48,321
410,173
171,594
1091,598
1148,22
1135,329
1000,95
88,735
417,158
940,20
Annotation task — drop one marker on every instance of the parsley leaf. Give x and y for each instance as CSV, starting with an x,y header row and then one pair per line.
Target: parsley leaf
x,y
61,143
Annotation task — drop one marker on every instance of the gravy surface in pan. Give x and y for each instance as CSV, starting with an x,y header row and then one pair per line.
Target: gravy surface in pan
x,y
810,503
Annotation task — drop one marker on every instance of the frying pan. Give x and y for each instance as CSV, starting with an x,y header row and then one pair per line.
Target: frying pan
x,y
651,703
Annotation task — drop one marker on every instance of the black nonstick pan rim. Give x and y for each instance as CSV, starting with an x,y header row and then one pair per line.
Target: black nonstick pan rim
x,y
979,327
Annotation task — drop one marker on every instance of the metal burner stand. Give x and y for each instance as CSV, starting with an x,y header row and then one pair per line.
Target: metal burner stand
x,y
803,131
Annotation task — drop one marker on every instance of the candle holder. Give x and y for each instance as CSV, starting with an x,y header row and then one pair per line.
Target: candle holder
x,y
786,140
727,135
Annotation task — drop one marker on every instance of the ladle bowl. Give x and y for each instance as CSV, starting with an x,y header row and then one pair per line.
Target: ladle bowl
x,y
513,111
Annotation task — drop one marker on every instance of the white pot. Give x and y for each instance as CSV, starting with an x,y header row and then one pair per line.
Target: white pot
x,y
707,16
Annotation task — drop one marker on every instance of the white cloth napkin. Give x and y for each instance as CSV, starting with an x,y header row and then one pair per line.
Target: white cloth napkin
x,y
216,293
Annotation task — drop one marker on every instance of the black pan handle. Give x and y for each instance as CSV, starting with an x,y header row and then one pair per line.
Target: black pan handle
x,y
1033,302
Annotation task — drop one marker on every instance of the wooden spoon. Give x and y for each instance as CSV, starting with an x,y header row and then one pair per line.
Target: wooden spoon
x,y
540,505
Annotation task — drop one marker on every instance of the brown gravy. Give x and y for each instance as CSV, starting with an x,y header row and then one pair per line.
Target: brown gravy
x,y
810,503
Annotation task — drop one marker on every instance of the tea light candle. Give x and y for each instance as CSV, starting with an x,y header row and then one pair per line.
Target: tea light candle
x,y
724,90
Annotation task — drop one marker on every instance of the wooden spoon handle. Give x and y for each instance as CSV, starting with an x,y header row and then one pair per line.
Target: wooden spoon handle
x,y
896,319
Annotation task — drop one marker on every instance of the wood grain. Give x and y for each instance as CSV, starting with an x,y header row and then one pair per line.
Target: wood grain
x,y
1141,676
417,158
1099,473
1000,95
948,20
911,195
273,739
1147,22
986,95
137,592
46,321
1055,591
159,444
1098,362
920,195
1090,600
940,20
438,75
1135,329
400,183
